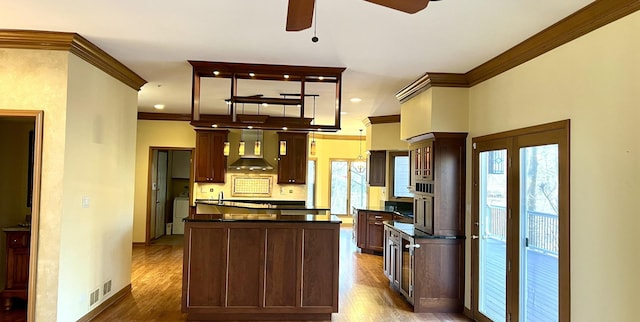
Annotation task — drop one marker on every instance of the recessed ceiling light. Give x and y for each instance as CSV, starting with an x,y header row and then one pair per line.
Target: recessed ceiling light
x,y
265,104
343,113
356,100
252,74
158,106
215,72
214,125
286,76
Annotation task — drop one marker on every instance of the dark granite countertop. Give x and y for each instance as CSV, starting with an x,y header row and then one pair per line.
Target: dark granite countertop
x,y
270,218
385,209
410,230
256,205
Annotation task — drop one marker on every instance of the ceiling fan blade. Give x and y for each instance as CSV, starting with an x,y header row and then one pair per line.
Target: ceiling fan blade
x,y
300,14
408,6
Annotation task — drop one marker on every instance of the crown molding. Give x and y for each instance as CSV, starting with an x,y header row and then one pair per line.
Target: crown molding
x,y
384,119
77,45
581,22
429,80
337,137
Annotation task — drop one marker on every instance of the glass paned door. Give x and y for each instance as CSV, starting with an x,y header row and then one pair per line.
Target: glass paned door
x,y
539,234
492,246
358,184
348,185
339,187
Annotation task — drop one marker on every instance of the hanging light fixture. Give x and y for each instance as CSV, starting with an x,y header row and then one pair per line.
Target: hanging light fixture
x,y
312,149
361,166
258,145
241,148
226,149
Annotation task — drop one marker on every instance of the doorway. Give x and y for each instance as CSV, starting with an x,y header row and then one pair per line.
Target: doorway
x,y
21,142
170,185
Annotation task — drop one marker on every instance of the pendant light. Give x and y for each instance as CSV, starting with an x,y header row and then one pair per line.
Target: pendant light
x,y
257,148
361,166
312,149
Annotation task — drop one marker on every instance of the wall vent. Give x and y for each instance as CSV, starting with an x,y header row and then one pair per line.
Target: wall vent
x,y
107,288
94,297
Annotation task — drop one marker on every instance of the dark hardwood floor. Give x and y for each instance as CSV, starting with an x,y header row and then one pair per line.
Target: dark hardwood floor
x,y
156,281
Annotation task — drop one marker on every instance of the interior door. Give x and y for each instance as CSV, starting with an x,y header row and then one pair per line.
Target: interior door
x,y
161,194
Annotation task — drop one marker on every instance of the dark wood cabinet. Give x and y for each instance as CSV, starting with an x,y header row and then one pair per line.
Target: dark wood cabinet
x,y
377,168
292,166
18,243
369,229
260,270
210,162
438,183
428,272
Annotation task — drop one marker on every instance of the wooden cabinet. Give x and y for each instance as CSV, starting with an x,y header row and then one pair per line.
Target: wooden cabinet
x,y
377,168
210,162
292,166
18,243
428,271
438,183
260,270
369,229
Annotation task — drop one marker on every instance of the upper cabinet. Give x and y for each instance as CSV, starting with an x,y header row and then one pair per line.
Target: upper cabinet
x,y
292,164
438,183
377,168
210,162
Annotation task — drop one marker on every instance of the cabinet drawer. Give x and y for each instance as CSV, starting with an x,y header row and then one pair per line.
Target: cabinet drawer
x,y
18,239
379,216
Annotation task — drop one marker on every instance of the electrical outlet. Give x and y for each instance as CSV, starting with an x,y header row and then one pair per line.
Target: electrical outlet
x,y
211,190
85,201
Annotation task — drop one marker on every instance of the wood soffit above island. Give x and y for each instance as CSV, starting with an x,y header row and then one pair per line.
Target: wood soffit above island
x,y
583,21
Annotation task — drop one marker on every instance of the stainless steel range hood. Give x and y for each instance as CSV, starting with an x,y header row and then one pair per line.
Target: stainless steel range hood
x,y
250,160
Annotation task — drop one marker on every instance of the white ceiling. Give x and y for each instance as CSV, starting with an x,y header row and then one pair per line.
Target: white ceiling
x,y
382,49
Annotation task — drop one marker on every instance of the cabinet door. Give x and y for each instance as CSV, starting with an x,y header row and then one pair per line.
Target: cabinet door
x,y
362,229
203,155
406,259
292,167
423,212
377,168
375,235
210,162
386,253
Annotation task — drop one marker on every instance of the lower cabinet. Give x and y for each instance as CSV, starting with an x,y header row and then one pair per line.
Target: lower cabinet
x,y
253,270
17,270
427,271
369,229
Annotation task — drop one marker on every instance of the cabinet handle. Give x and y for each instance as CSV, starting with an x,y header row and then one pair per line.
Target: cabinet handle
x,y
412,246
377,223
378,217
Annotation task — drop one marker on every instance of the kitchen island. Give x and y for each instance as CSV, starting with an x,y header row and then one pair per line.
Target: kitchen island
x,y
261,266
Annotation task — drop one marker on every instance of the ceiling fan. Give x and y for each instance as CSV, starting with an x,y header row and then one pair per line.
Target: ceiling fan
x,y
300,12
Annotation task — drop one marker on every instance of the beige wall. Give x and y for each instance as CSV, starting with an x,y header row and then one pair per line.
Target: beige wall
x,y
384,136
95,243
37,80
594,81
89,125
415,115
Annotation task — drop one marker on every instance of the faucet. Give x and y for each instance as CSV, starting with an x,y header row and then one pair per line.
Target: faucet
x,y
220,196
